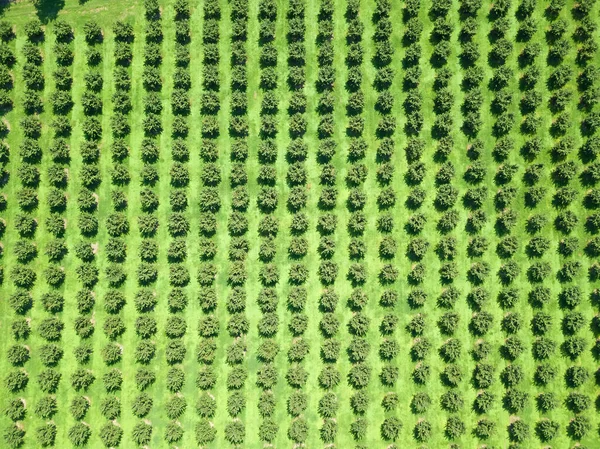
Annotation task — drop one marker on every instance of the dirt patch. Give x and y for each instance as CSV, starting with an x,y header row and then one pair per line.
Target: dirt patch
x,y
94,11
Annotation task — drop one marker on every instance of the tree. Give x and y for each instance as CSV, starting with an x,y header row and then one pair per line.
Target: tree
x,y
268,430
451,401
110,407
79,434
451,350
175,407
577,402
113,327
48,380
515,400
175,352
79,407
145,300
485,428
543,348
358,350
16,380
518,431
46,434
15,409
421,373
512,348
81,379
18,355
14,436
511,375
173,432
329,376
142,433
51,328
50,354
455,427
146,273
422,431
390,428
141,405
573,347
266,403
417,248
205,405
111,434
21,301
478,272
388,349
296,403
23,277
328,405
296,376
298,430
54,275
358,428
56,250
206,378
117,224
236,403
452,375
25,225
359,375
330,350
578,427
205,432
144,378
576,376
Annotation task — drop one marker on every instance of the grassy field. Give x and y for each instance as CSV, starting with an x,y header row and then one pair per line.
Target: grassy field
x,y
397,425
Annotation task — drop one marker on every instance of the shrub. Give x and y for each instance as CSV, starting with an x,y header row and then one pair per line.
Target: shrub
x,y
111,434
573,347
79,407
390,428
111,353
359,375
15,409
21,301
81,379
455,427
51,328
17,355
578,427
329,377
14,436
518,431
577,402
298,430
451,401
16,380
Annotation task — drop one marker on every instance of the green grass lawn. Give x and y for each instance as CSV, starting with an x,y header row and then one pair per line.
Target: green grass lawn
x,y
106,14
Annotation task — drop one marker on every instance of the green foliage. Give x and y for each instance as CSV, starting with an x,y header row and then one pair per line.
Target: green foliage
x,y
142,433
46,434
79,407
15,410
14,436
111,434
81,379
205,432
80,434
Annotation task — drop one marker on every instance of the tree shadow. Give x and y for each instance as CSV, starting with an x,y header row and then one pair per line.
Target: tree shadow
x,y
4,4
47,10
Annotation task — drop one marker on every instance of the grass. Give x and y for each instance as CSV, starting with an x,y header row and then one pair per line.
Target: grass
x,y
105,13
